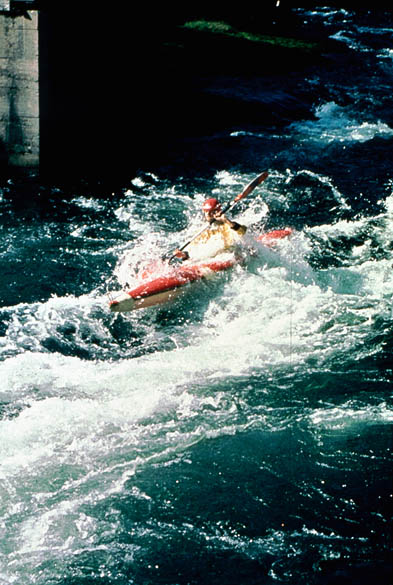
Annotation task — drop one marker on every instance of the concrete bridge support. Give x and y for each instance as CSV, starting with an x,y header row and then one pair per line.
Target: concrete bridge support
x,y
19,87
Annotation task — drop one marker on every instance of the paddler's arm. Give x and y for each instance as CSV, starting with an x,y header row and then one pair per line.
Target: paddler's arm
x,y
240,229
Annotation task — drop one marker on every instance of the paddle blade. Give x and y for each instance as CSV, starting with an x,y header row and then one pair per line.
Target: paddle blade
x,y
251,186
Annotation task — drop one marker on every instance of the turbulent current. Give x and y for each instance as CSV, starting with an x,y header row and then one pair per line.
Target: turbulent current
x,y
242,433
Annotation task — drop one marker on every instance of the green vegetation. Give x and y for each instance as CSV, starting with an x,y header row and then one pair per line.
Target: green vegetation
x,y
224,29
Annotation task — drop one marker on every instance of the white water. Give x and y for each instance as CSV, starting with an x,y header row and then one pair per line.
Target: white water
x,y
282,347
336,123
85,426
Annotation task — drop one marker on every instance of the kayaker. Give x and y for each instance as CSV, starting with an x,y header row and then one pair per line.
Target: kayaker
x,y
222,234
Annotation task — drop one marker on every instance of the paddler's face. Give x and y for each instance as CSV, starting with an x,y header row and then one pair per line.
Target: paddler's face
x,y
212,213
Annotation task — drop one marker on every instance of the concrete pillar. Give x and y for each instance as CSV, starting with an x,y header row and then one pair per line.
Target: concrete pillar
x,y
19,90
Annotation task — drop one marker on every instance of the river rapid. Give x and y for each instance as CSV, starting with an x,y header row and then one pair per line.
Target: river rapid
x,y
243,432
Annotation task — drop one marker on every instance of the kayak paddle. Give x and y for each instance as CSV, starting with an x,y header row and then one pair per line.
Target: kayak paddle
x,y
250,187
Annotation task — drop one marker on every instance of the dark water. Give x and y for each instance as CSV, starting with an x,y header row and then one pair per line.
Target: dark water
x,y
241,434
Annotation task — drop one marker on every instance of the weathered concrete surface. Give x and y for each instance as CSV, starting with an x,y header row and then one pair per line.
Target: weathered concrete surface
x,y
19,89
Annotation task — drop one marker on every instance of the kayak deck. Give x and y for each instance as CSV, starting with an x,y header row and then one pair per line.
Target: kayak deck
x,y
156,291
165,282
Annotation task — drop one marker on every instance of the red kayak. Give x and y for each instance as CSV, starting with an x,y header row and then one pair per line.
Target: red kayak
x,y
164,281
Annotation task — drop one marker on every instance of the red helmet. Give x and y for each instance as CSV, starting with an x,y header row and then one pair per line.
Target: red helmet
x,y
211,205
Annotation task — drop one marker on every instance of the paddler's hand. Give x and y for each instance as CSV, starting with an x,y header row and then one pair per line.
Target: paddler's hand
x,y
181,254
221,218
218,216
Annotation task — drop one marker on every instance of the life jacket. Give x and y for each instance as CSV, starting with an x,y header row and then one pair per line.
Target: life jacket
x,y
219,238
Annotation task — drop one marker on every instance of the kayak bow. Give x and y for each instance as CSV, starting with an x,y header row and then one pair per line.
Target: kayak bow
x,y
166,281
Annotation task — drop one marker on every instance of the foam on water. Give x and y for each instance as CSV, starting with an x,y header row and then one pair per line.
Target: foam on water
x,y
336,123
243,428
280,312
89,412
